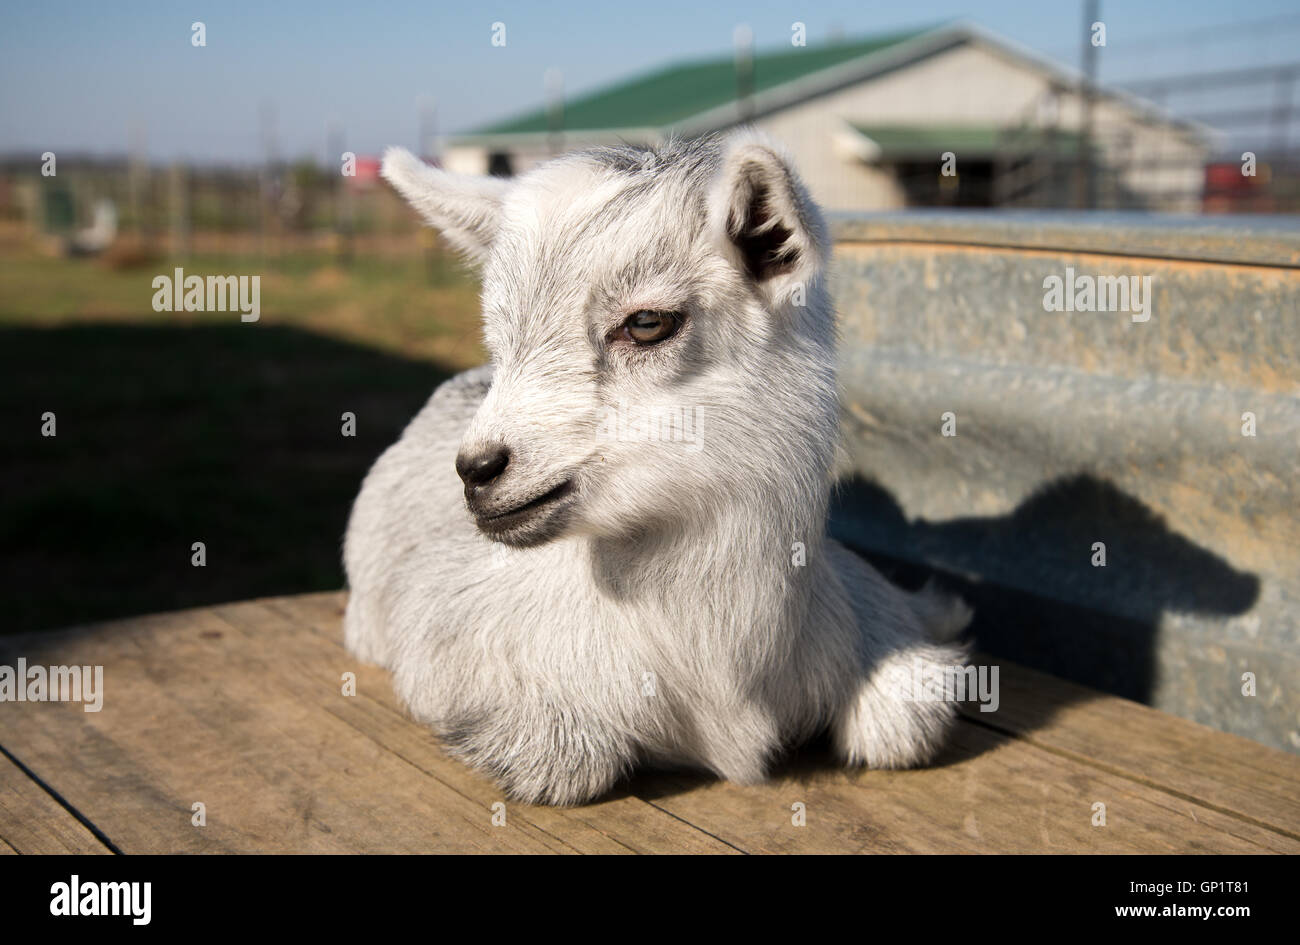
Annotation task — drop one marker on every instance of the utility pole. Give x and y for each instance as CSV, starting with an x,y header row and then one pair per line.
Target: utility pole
x,y
269,196
342,192
744,40
1282,110
553,85
138,177
428,129
1087,184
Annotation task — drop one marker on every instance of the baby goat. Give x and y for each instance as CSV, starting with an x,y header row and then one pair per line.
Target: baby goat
x,y
561,590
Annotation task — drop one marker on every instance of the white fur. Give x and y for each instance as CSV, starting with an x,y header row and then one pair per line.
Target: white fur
x,y
657,616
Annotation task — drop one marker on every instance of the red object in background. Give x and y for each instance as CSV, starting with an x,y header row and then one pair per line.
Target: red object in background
x,y
1226,179
367,174
1228,190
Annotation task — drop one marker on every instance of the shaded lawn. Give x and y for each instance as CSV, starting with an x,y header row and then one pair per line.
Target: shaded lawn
x,y
173,430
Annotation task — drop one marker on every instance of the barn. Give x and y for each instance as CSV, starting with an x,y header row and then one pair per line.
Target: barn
x,y
948,116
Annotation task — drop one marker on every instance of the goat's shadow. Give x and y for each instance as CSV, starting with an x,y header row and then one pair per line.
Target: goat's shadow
x,y
1039,598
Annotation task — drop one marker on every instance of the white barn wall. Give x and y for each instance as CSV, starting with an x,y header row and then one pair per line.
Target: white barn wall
x,y
966,85
975,83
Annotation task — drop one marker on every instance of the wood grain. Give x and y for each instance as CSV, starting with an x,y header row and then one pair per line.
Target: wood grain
x,y
1190,761
240,707
31,821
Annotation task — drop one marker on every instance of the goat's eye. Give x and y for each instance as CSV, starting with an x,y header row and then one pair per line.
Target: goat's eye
x,y
650,328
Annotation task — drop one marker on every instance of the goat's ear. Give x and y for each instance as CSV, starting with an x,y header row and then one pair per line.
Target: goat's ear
x,y
765,220
466,209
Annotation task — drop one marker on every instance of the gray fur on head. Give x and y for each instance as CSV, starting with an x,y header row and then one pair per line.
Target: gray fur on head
x,y
647,578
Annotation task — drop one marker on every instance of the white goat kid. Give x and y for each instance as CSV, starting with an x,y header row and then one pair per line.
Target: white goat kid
x,y
587,595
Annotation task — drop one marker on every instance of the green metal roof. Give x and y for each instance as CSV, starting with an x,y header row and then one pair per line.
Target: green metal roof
x,y
899,141
678,92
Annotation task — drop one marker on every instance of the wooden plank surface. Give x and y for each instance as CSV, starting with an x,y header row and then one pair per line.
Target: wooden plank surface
x,y
240,708
32,821
1225,772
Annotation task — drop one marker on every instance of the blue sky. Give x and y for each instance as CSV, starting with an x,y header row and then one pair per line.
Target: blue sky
x,y
80,76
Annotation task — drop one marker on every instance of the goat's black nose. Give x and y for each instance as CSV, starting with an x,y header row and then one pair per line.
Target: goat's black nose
x,y
478,469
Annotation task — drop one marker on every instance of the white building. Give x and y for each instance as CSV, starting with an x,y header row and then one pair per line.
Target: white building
x,y
872,122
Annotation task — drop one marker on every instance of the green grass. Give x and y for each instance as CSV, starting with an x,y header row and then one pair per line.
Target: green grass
x,y
408,305
176,428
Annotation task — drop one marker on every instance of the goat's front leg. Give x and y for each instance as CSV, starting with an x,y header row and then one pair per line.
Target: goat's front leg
x,y
541,752
895,714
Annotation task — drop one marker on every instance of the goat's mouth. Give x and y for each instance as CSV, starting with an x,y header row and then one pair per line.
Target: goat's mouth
x,y
531,523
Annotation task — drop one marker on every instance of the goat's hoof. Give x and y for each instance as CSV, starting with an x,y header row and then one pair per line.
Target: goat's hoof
x,y
886,723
